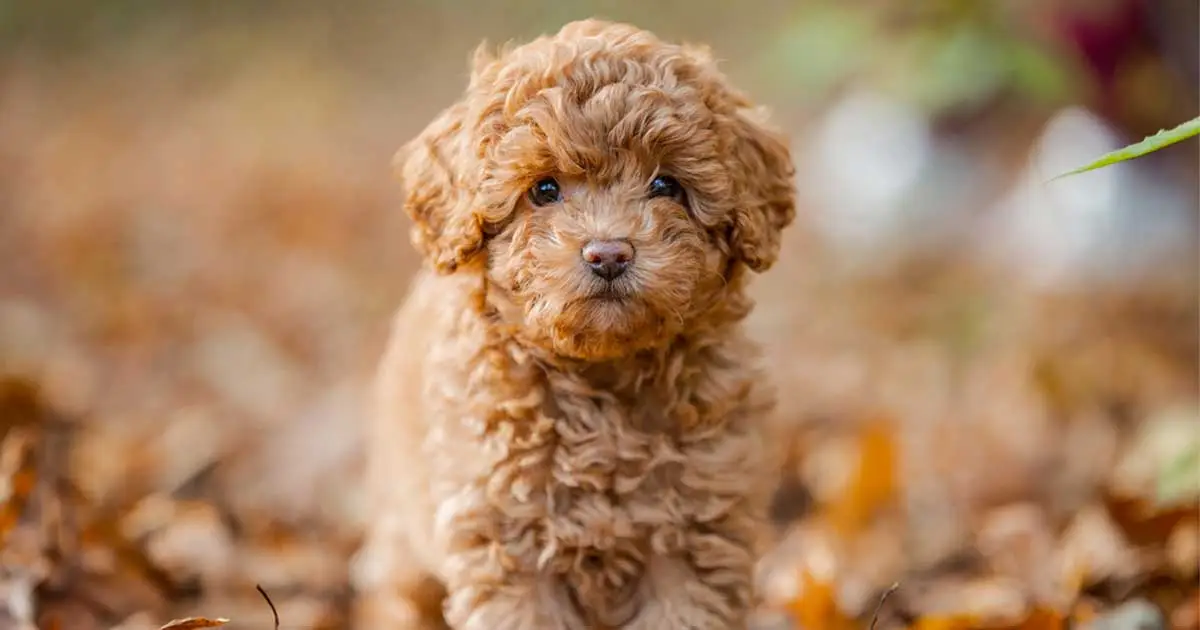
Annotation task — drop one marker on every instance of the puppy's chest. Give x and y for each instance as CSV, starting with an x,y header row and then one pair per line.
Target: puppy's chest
x,y
591,488
613,496
613,472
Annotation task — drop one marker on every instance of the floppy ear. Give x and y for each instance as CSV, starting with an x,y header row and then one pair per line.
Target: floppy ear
x,y
441,170
767,203
438,196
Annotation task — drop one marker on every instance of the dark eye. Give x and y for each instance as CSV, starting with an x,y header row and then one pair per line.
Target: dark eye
x,y
667,186
545,192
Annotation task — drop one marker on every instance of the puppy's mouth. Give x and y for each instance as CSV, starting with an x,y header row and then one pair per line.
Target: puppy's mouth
x,y
607,298
618,290
609,293
605,322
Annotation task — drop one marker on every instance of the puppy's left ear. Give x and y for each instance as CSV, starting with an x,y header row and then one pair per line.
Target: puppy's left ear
x,y
436,169
767,202
440,170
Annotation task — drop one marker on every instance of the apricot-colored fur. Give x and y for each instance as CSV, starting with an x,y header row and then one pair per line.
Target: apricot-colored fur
x,y
544,456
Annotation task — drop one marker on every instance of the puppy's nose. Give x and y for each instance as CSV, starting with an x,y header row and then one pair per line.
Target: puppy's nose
x,y
608,259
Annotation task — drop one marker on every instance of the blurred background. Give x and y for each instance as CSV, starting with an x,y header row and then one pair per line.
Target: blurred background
x,y
992,378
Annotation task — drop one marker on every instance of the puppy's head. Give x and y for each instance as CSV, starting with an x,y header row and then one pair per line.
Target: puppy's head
x,y
609,184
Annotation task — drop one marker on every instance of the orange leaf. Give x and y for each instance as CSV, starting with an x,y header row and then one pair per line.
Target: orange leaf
x,y
948,622
1084,612
816,607
874,482
1186,616
1041,619
192,623
18,467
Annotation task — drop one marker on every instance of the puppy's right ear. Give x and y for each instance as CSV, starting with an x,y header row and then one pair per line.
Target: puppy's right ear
x,y
441,171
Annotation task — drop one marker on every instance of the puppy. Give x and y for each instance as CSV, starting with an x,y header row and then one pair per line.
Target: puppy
x,y
569,429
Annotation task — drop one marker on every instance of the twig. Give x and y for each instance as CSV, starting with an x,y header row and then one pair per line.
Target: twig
x,y
274,612
883,598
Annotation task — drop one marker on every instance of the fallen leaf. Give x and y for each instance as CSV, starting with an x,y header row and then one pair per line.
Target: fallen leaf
x,y
1092,550
816,606
1186,616
981,602
1183,549
1142,523
1162,465
1016,540
873,483
1038,619
192,623
18,476
1041,619
946,622
1084,612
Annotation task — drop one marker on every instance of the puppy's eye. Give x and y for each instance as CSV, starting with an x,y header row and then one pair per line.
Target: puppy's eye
x,y
667,186
545,192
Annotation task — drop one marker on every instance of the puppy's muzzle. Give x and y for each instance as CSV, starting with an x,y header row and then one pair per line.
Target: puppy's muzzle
x,y
608,259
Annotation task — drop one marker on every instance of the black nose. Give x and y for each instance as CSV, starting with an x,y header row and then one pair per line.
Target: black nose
x,y
608,259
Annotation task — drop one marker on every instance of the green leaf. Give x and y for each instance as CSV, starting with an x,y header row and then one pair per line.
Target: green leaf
x,y
1179,477
1150,144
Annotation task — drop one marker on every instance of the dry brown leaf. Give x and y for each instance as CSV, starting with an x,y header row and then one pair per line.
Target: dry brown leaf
x,y
1144,524
1084,612
1092,550
993,601
18,475
193,623
1183,550
20,436
189,542
1016,540
1186,615
20,404
1038,619
23,542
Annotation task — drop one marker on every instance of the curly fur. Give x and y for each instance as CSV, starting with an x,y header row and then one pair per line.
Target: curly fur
x,y
548,452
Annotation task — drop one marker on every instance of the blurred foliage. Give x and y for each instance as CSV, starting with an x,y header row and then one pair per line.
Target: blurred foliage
x,y
1178,479
941,56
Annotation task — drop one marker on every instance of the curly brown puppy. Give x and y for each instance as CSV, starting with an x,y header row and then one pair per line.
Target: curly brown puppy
x,y
569,424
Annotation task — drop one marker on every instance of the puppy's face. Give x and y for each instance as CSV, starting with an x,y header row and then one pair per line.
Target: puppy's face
x,y
610,186
600,268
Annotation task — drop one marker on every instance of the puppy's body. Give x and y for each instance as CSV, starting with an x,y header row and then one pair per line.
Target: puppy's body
x,y
566,496
555,447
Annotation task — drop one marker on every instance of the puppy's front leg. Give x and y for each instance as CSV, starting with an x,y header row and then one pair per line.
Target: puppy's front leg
x,y
707,585
491,572
516,602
